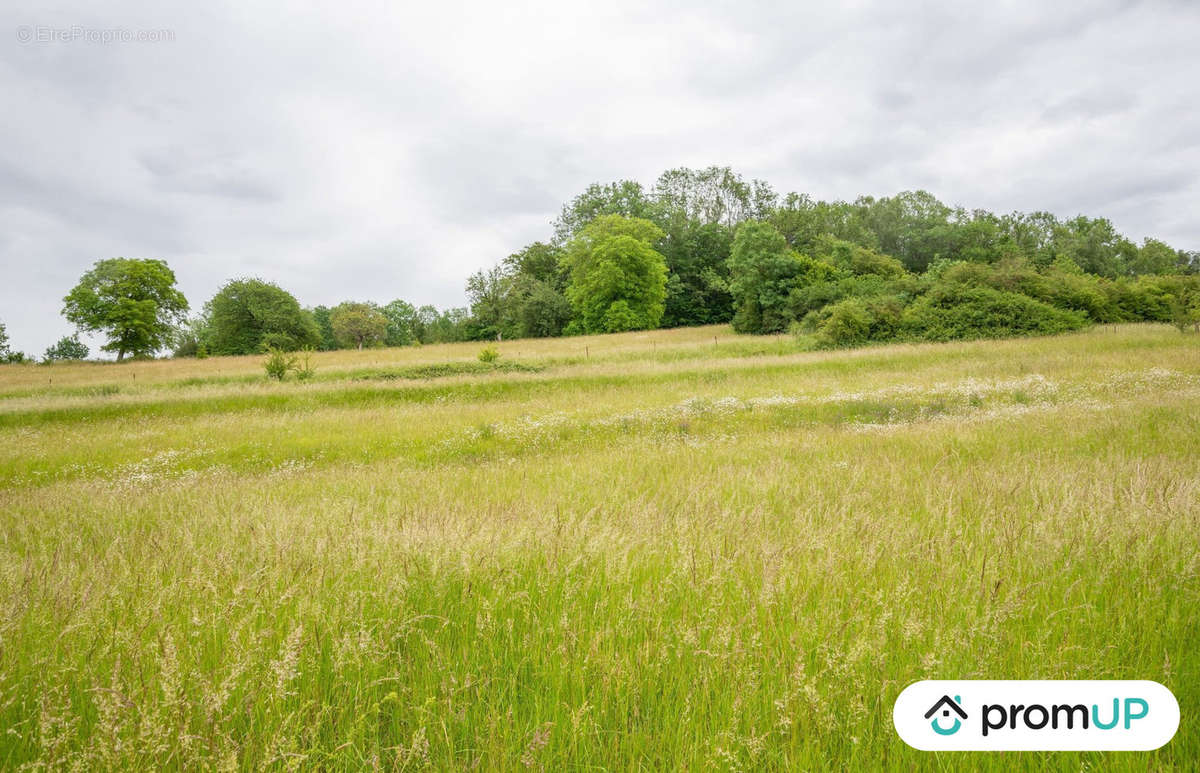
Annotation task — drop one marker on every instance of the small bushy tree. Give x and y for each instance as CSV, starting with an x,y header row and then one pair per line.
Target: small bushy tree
x,y
67,348
251,315
358,324
278,363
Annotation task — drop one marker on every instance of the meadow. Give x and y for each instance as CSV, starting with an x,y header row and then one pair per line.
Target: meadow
x,y
682,549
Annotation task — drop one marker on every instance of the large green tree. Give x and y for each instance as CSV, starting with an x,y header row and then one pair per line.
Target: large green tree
x,y
401,325
763,271
358,324
132,301
488,292
536,304
247,316
698,283
618,280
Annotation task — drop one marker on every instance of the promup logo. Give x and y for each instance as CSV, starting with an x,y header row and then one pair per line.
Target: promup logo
x,y
1036,715
948,704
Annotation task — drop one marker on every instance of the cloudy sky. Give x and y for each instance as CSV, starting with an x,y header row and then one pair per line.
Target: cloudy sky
x,y
375,151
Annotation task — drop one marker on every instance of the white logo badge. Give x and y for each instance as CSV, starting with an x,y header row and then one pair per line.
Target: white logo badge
x,y
1001,715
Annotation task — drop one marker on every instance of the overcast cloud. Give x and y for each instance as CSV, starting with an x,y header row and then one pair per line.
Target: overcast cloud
x,y
362,151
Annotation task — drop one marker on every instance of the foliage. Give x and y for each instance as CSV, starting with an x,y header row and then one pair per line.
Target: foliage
x,y
697,256
847,323
247,316
7,355
303,366
855,259
1185,308
949,312
625,198
358,324
431,326
763,270
896,246
618,280
67,348
489,354
401,323
488,293
537,308
278,363
132,301
320,317
713,196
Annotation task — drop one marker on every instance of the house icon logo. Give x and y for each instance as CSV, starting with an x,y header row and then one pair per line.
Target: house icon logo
x,y
945,706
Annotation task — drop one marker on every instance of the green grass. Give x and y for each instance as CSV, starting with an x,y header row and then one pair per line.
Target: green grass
x,y
663,554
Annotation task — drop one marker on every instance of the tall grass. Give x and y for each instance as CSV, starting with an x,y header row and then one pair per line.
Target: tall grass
x,y
643,559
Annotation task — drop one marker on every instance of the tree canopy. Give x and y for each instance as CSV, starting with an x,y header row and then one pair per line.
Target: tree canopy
x,y
617,279
67,348
358,324
699,246
132,301
248,316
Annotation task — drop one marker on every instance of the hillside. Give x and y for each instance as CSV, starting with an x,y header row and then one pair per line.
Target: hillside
x,y
685,548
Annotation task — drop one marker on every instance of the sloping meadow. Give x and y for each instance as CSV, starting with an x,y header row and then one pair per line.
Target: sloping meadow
x,y
664,556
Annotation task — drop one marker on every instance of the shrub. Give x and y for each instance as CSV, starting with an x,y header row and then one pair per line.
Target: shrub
x,y
952,311
859,260
278,364
305,370
848,324
1185,310
489,354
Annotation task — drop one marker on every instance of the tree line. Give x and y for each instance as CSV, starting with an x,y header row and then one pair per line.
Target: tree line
x,y
698,247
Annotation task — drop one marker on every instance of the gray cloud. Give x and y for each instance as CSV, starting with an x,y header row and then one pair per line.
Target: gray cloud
x,y
376,151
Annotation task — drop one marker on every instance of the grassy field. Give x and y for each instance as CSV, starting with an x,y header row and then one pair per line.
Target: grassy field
x,y
670,550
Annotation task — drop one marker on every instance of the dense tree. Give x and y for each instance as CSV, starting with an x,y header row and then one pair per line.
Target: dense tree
x,y
705,246
536,304
320,317
625,197
618,280
248,316
67,348
716,195
488,292
1155,257
1095,246
762,272
358,324
441,327
401,317
537,308
539,261
131,301
698,281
